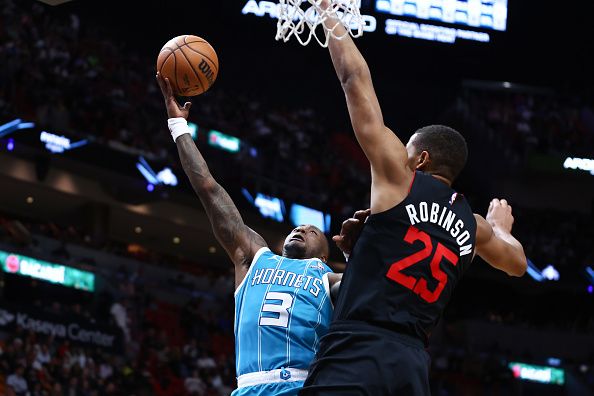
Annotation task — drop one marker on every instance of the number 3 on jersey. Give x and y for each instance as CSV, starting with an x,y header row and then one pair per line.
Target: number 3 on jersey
x,y
419,286
281,309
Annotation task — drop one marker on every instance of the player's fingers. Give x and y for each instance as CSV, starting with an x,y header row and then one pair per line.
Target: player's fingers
x,y
169,89
503,202
362,214
359,213
349,222
352,224
161,83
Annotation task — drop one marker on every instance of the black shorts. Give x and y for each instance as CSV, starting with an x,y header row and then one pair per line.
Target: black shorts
x,y
357,359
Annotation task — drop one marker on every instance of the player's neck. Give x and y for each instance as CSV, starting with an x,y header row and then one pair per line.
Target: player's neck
x,y
442,179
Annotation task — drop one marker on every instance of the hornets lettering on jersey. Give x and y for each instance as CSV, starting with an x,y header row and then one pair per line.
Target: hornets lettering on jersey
x,y
282,309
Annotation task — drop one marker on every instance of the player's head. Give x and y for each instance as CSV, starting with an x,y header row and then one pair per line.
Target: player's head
x,y
438,150
306,241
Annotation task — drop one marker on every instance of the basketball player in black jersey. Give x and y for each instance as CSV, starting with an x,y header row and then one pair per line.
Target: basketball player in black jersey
x,y
417,243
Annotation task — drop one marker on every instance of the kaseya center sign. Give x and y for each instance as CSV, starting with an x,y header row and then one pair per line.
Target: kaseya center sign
x,y
67,327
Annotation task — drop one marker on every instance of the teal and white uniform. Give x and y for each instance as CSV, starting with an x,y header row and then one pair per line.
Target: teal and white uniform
x,y
282,309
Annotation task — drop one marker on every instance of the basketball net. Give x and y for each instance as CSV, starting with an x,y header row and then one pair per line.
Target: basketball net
x,y
304,19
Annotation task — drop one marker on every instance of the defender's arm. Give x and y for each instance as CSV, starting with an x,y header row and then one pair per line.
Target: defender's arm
x,y
387,154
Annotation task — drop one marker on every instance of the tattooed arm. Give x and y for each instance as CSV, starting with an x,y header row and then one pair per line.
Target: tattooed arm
x,y
240,241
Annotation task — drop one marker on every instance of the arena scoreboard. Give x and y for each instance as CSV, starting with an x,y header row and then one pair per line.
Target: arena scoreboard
x,y
445,21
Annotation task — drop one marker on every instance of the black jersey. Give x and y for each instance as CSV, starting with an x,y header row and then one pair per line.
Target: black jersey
x,y
408,259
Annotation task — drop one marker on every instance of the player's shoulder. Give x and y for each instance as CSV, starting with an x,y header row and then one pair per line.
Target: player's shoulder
x,y
264,254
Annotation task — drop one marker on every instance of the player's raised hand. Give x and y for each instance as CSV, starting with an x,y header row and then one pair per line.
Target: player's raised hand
x,y
499,215
324,4
350,231
174,110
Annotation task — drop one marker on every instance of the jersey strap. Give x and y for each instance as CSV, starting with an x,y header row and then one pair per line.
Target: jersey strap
x,y
272,376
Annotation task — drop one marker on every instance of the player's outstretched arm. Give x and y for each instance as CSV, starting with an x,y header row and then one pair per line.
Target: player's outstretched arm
x,y
240,241
388,157
495,243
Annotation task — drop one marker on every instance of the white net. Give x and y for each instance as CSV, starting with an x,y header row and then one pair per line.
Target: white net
x,y
305,20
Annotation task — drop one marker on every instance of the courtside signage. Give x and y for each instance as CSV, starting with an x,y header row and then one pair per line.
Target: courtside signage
x,y
543,374
50,272
224,142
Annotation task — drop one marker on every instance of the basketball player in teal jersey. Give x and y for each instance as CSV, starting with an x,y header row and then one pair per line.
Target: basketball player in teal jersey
x,y
282,303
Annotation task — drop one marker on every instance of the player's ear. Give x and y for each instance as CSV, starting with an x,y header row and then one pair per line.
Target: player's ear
x,y
324,259
423,160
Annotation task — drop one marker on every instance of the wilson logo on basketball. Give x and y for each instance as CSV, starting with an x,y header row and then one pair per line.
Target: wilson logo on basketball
x,y
205,68
12,264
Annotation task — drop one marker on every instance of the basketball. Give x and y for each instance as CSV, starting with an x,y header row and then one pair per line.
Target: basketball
x,y
190,63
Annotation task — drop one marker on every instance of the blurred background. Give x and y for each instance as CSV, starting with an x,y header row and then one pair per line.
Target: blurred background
x,y
112,282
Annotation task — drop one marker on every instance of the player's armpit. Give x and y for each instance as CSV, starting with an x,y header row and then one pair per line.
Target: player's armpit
x,y
499,248
334,281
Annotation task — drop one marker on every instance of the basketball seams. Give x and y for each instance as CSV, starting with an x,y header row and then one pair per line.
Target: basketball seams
x,y
197,41
192,67
167,66
164,60
214,64
175,72
164,63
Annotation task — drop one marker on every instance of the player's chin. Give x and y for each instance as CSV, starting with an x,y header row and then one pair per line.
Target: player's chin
x,y
295,247
295,243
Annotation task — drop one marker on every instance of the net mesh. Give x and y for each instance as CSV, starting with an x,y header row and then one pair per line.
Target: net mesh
x,y
304,20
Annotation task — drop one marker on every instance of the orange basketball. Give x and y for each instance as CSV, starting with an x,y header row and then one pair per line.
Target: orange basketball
x,y
190,63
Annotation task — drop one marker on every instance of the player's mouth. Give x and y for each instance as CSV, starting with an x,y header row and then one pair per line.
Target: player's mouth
x,y
297,237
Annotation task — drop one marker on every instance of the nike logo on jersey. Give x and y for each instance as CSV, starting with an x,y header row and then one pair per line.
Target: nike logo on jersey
x,y
443,217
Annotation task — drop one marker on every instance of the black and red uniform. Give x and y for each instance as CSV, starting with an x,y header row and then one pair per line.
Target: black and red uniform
x,y
400,276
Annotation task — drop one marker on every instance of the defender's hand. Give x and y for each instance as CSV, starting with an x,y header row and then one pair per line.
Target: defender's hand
x,y
350,231
500,215
324,4
174,110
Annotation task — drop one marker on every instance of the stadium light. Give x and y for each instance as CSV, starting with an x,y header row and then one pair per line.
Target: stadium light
x,y
165,176
534,272
304,215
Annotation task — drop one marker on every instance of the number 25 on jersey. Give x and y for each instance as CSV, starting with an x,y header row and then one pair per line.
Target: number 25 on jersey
x,y
419,286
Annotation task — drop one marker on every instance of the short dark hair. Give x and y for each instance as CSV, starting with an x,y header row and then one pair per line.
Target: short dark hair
x,y
446,147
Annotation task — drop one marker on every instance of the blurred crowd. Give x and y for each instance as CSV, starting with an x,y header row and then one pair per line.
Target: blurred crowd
x,y
188,350
36,365
70,61
302,153
519,124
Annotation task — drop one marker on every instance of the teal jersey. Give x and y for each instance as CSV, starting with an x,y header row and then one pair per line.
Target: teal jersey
x,y
282,309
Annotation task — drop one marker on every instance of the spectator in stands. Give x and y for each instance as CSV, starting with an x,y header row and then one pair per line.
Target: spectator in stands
x,y
17,382
194,384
